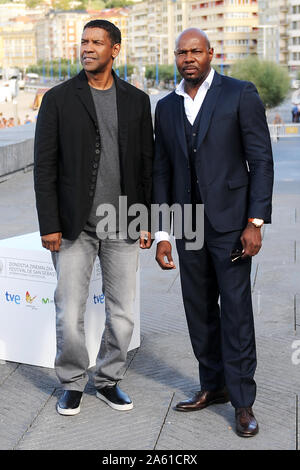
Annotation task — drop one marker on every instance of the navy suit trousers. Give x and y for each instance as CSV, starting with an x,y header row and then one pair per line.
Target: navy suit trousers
x,y
222,337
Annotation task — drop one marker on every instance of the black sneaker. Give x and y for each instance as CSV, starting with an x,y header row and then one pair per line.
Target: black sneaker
x,y
69,403
115,397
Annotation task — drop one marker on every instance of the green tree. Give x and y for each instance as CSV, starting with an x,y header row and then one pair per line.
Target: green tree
x,y
271,80
93,4
121,70
32,3
62,4
117,3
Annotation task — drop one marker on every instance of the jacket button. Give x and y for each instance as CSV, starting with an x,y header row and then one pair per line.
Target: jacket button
x,y
97,151
95,165
189,190
97,144
194,134
195,150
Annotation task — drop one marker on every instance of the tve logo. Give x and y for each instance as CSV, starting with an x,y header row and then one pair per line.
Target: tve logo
x,y
15,298
99,299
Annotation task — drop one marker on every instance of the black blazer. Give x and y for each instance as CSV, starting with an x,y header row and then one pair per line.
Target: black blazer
x,y
234,162
65,153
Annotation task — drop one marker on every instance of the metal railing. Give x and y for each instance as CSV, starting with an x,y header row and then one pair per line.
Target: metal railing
x,y
284,130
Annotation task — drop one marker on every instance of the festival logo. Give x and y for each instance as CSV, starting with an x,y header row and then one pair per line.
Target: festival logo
x,y
29,299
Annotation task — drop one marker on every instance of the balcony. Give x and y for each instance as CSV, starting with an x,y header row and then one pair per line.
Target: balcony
x,y
284,8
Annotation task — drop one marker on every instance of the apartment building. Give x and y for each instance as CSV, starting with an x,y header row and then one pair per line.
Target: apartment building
x,y
294,35
152,30
231,26
58,34
10,10
273,30
17,44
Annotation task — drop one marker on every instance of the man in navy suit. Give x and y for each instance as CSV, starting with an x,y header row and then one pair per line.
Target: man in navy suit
x,y
213,148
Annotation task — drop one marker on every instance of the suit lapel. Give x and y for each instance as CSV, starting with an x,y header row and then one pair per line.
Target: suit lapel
x,y
84,94
208,107
179,123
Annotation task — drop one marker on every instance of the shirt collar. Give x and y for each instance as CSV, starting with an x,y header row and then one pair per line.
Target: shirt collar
x,y
207,84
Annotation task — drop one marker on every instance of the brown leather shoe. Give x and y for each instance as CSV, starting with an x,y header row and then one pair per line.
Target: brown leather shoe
x,y
246,424
203,399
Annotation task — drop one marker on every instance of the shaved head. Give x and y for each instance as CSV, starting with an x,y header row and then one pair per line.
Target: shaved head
x,y
195,32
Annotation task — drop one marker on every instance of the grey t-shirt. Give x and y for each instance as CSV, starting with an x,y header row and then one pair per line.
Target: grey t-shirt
x,y
108,187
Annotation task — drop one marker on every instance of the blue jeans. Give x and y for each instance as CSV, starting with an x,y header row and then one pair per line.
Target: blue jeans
x,y
74,264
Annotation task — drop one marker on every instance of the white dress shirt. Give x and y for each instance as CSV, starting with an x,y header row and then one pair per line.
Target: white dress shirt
x,y
192,108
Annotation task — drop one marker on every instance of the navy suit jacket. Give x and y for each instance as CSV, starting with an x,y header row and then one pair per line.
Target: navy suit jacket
x,y
234,162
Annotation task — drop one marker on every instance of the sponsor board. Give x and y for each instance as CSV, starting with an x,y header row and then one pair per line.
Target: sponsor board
x,y
27,310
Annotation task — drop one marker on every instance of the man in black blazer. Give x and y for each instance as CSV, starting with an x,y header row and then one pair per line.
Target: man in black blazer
x,y
93,144
212,147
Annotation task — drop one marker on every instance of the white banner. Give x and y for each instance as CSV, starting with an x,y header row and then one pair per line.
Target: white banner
x,y
27,313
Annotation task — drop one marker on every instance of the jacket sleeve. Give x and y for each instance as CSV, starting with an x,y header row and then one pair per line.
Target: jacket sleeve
x,y
46,149
258,152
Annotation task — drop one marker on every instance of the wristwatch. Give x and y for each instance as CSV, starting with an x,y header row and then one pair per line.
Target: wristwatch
x,y
257,222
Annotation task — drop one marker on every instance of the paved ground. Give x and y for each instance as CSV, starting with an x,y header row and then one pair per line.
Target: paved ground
x,y
163,370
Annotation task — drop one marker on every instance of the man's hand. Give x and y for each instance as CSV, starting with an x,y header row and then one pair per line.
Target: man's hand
x,y
52,241
251,240
145,239
164,249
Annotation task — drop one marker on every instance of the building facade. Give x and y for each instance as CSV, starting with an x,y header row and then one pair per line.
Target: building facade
x,y
231,25
17,45
58,35
273,30
152,30
294,35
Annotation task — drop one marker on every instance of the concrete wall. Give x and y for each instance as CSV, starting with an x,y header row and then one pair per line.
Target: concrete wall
x,y
16,148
